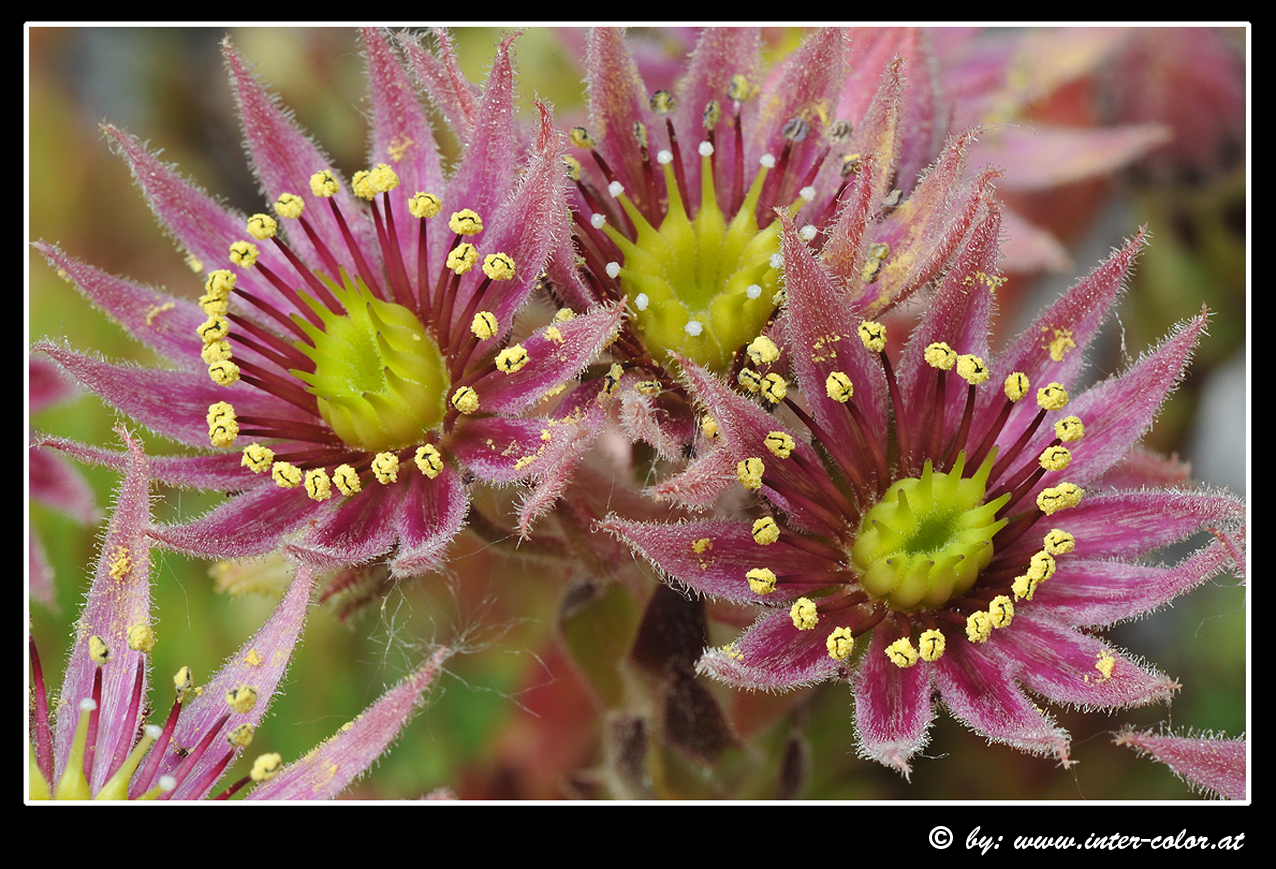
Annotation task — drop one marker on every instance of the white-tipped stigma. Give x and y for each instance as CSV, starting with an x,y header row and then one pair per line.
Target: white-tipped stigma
x,y
615,188
597,221
807,232
768,160
807,193
641,301
706,150
664,157
753,291
613,269
693,328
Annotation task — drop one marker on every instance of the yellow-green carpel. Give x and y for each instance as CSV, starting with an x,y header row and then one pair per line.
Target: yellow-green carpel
x,y
701,288
380,379
928,538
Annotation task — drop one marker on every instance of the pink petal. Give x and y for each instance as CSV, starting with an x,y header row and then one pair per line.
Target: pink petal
x,y
434,511
771,655
892,707
1216,766
250,523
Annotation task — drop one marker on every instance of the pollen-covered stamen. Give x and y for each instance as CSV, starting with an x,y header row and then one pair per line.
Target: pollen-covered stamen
x,y
324,184
972,370
1049,398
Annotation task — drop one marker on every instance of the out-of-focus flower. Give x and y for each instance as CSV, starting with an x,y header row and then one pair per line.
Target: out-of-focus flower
x,y
1211,764
925,528
354,355
95,742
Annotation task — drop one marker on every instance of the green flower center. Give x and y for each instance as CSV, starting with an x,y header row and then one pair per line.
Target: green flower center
x,y
380,379
928,538
702,287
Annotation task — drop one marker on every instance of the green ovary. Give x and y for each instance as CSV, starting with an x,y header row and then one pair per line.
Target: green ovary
x,y
928,538
380,379
699,288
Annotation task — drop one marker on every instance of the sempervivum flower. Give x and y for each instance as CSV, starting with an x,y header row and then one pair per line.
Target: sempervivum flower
x,y
678,191
935,522
352,354
96,743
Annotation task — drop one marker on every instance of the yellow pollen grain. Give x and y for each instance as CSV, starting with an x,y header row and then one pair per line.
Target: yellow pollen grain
x,y
1058,542
241,736
1041,567
1058,497
978,626
701,546
940,355
183,682
429,460
762,350
564,315
1055,458
902,654
873,334
242,699
222,426
1001,610
257,458
554,334
243,253
385,467
1016,386
780,444
971,369
581,138
1023,587
286,475
324,183
498,266
141,638
99,651
648,387
931,644
761,580
253,658
512,359
611,380
838,386
398,148
749,472
1105,664
120,564
465,400
213,329
262,227
804,614
1052,397
840,644
155,311
773,388
765,531
346,480
732,651
709,427
318,484
1069,429
215,351
220,283
749,379
871,272
465,222
484,325
424,205
1061,344
223,372
462,258
266,767
290,206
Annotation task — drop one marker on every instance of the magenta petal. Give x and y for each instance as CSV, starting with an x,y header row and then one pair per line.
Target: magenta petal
x,y
892,707
433,513
353,532
1212,764
771,655
249,523
441,77
1149,519
223,471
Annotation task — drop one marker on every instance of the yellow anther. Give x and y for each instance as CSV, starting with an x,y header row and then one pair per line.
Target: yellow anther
x,y
290,206
222,426
1016,386
873,334
851,164
739,90
286,475
346,480
465,399
424,205
1069,429
183,682
839,132
385,467
1023,587
324,183
773,388
780,444
215,351
1058,497
462,258
213,329
1059,542
709,427
214,306
498,266
243,253
663,103
318,484
242,699
99,651
580,138
484,325
220,283
940,355
840,644
978,626
573,167
902,654
872,271
223,372
711,115
361,184
465,222
761,580
1055,458
648,387
257,458
640,133
564,315
219,410
838,386
765,531
121,563
1052,397
763,351
749,472
1001,610
1041,566
262,226
241,736
511,359
931,644
266,767
804,614
429,460
750,379
611,381
141,638
382,179
971,369
879,250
